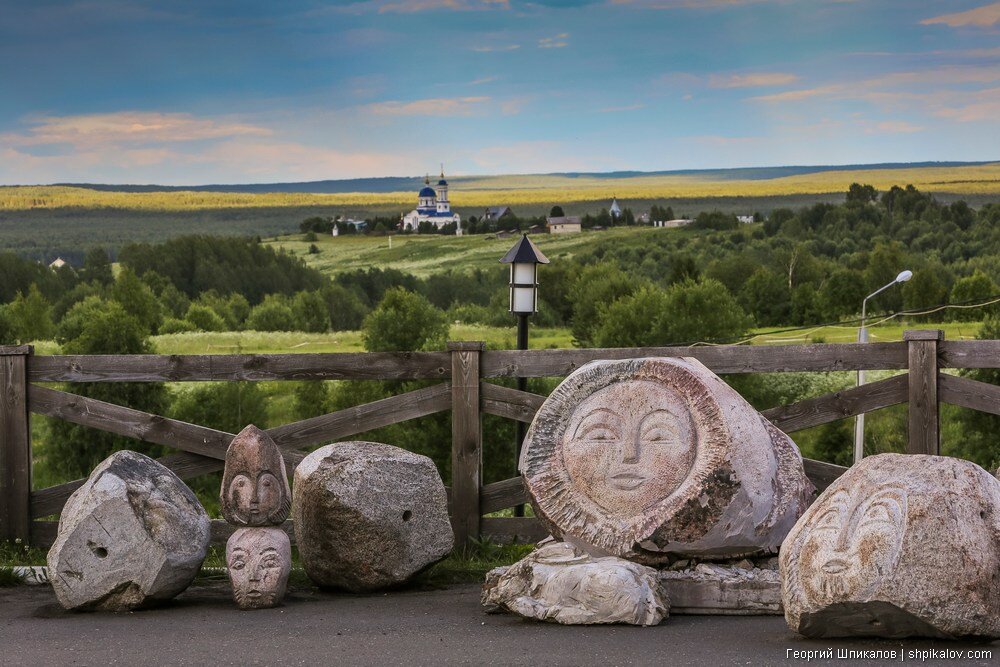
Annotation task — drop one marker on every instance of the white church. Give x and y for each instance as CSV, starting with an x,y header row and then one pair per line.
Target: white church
x,y
432,206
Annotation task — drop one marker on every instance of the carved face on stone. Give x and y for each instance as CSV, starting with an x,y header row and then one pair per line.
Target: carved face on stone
x,y
255,489
853,544
629,445
259,560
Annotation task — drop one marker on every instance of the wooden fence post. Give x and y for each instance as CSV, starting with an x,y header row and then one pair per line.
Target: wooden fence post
x,y
924,432
466,441
15,445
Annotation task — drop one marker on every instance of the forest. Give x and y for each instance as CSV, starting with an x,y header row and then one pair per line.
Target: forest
x,y
712,281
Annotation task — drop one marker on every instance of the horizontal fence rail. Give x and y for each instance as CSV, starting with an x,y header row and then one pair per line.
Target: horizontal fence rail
x,y
462,373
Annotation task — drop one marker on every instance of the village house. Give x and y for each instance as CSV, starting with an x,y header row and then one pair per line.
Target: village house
x,y
566,224
679,222
495,214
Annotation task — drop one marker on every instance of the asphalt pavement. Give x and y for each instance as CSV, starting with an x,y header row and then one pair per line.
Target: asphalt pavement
x,y
416,627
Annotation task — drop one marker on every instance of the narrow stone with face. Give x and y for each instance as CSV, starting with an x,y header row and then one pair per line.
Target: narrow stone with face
x,y
255,489
899,546
259,560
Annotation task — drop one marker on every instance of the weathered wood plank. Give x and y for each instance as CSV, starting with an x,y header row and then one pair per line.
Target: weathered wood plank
x,y
521,530
510,403
15,446
924,410
501,495
968,393
466,442
821,473
350,421
839,404
334,426
128,422
720,359
251,367
969,353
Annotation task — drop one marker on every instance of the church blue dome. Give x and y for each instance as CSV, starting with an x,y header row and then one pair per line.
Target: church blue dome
x,y
443,182
428,192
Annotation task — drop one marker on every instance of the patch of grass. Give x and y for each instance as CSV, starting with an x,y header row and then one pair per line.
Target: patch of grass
x,y
472,566
17,554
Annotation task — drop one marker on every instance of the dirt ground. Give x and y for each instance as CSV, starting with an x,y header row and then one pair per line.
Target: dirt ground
x,y
427,627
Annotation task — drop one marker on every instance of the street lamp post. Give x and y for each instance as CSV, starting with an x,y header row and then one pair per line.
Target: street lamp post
x,y
524,259
859,421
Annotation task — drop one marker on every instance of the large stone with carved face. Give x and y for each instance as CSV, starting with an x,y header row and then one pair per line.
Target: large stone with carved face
x,y
560,583
255,488
369,516
133,535
259,560
646,459
899,546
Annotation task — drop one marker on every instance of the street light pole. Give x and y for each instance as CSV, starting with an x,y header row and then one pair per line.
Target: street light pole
x,y
524,259
859,421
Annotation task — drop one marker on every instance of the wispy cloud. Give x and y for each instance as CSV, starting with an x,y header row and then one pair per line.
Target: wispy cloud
x,y
893,127
979,17
630,107
557,42
437,106
495,49
751,80
127,128
480,81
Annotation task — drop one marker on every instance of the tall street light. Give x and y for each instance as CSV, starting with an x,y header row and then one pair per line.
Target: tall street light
x,y
524,259
859,421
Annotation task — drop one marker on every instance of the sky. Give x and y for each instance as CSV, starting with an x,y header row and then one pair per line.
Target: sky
x,y
256,91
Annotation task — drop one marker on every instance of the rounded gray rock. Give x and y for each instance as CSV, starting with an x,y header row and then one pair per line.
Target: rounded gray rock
x,y
900,545
134,534
369,516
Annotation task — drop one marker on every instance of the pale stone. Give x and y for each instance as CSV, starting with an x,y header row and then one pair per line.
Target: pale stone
x,y
255,488
561,583
741,590
259,561
369,516
647,459
134,534
900,545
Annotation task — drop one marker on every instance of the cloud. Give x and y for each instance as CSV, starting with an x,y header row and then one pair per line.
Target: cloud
x,y
438,106
690,4
752,80
983,105
630,107
412,6
495,49
893,127
981,17
557,42
480,81
532,157
127,128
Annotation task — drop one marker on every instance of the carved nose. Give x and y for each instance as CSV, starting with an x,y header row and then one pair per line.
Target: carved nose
x,y
630,450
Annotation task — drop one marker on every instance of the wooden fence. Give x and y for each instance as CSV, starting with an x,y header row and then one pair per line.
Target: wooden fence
x,y
463,371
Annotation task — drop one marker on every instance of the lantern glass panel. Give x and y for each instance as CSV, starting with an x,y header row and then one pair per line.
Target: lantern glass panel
x,y
522,300
524,273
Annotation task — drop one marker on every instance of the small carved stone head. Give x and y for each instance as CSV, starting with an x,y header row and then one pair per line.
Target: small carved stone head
x,y
255,489
259,560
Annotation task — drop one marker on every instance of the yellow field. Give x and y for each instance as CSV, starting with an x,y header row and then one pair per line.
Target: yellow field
x,y
514,190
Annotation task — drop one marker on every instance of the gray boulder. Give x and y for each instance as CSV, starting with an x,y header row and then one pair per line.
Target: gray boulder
x,y
369,516
899,546
134,534
562,583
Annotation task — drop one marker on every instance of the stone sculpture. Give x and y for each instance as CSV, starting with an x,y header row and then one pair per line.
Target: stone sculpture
x,y
560,583
255,488
647,459
133,535
369,516
741,589
254,495
259,561
899,546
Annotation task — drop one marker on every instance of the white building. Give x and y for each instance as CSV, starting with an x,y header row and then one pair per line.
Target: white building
x,y
678,222
434,207
615,210
745,219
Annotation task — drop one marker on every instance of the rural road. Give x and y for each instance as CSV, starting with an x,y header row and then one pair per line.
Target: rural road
x,y
404,628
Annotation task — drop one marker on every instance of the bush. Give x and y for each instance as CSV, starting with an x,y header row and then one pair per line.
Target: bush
x,y
30,316
310,312
203,318
404,321
172,325
273,314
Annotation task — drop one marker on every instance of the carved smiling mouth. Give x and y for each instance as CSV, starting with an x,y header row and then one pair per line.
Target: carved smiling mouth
x,y
627,481
834,566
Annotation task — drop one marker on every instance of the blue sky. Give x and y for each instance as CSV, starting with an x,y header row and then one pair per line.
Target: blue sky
x,y
207,91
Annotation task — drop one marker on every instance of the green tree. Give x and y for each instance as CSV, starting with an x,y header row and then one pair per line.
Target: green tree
x,y
404,321
841,295
345,309
226,406
556,212
203,318
31,316
861,194
767,297
138,299
977,287
105,327
310,312
597,287
97,267
311,399
979,429
274,313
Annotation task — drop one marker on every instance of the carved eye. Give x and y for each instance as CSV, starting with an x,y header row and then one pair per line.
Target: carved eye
x,y
270,563
599,432
237,564
659,435
241,482
829,520
884,511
